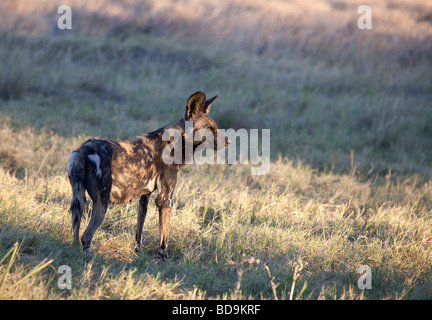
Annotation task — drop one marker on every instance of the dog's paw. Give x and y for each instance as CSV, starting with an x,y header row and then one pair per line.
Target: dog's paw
x,y
163,253
137,248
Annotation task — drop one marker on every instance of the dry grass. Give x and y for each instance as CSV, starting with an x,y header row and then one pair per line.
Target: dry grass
x,y
350,127
273,222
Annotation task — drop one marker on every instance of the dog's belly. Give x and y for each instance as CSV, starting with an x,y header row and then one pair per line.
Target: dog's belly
x,y
133,171
126,188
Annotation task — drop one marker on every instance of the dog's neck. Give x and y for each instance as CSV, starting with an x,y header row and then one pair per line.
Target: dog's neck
x,y
159,144
157,134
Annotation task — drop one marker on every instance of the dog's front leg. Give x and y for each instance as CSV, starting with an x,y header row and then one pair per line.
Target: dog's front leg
x,y
163,202
142,212
166,186
164,219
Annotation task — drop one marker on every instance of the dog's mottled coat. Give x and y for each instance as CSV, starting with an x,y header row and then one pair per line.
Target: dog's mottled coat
x,y
119,171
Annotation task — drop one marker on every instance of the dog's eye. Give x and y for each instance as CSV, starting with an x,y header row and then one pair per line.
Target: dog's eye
x,y
210,128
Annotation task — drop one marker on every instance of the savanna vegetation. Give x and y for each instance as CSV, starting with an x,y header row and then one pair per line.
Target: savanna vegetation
x,y
351,147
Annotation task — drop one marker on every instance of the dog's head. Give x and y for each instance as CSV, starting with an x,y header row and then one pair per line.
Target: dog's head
x,y
205,129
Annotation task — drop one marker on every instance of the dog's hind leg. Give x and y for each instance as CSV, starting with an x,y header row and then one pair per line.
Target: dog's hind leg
x,y
142,212
100,205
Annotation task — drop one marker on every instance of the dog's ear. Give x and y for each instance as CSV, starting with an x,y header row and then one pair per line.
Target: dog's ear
x,y
195,104
208,104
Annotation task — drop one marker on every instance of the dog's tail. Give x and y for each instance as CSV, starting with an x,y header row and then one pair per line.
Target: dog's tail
x,y
76,169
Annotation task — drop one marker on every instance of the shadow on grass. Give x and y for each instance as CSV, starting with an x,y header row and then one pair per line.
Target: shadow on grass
x,y
97,270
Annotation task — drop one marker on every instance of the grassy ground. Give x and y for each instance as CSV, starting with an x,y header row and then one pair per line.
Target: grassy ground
x,y
351,132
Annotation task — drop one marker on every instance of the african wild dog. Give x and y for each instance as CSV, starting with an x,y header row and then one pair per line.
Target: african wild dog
x,y
119,171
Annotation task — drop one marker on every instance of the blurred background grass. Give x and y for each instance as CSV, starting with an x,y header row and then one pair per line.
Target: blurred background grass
x,y
350,117
330,93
